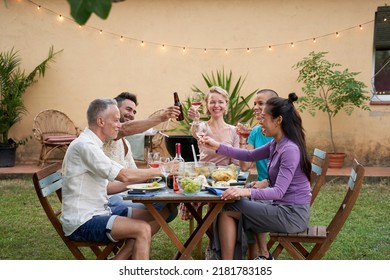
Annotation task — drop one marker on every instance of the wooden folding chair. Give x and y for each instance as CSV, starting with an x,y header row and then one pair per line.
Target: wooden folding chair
x,y
55,131
47,182
321,237
319,167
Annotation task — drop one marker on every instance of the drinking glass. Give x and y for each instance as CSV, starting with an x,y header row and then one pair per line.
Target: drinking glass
x,y
196,101
166,168
200,129
244,130
154,159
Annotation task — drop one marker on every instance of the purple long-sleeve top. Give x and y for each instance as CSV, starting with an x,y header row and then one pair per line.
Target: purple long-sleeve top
x,y
289,184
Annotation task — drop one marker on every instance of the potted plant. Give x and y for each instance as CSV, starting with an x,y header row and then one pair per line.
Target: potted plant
x,y
13,83
329,90
239,110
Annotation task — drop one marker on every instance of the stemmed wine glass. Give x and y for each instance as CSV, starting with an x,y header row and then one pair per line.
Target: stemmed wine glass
x,y
244,130
196,101
200,129
154,159
166,168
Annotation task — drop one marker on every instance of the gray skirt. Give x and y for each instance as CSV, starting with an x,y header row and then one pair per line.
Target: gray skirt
x,y
265,216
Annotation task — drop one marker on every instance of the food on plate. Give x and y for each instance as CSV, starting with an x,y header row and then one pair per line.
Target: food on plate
x,y
153,185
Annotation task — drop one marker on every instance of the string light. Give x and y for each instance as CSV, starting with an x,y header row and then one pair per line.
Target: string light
x,y
61,17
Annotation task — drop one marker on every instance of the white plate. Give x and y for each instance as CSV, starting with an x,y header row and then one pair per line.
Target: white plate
x,y
145,187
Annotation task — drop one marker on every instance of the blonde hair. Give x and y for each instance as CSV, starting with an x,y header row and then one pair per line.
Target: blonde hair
x,y
220,91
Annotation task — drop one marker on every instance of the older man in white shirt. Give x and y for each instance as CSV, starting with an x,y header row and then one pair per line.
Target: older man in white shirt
x,y
89,176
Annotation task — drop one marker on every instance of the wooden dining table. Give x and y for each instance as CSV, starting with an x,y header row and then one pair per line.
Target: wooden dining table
x,y
184,250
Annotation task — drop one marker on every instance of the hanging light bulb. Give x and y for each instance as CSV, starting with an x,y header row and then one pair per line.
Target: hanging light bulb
x,y
39,7
184,49
60,17
248,50
142,43
337,34
163,46
361,27
121,38
101,31
314,40
205,50
269,47
292,44
226,51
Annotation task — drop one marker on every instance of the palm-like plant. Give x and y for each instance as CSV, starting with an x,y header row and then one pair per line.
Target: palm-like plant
x,y
13,83
239,109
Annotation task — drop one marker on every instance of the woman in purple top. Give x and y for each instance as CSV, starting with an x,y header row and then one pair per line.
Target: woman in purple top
x,y
289,170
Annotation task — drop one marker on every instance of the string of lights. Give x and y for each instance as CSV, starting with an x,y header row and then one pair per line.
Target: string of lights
x,y
248,49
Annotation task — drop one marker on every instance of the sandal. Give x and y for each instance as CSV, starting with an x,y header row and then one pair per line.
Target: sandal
x,y
263,258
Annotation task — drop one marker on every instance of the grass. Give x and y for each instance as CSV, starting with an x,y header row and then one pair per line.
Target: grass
x,y
26,233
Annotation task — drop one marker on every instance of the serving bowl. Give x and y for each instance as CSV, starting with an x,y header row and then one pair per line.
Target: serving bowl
x,y
189,185
194,169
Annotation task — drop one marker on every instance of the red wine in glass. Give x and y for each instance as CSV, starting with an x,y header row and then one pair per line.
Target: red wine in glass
x,y
196,105
154,165
244,135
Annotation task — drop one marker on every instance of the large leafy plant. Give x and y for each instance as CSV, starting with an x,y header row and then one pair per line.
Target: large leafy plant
x,y
13,84
239,109
329,90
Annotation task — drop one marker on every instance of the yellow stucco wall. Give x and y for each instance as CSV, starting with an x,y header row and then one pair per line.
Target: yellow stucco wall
x,y
96,65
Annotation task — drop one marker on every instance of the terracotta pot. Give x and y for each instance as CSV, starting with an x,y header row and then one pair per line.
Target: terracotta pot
x,y
336,160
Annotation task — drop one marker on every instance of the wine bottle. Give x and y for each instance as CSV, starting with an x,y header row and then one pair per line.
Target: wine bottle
x,y
178,159
177,102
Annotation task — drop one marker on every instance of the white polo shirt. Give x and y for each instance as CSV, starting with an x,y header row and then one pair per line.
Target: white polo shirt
x,y
86,172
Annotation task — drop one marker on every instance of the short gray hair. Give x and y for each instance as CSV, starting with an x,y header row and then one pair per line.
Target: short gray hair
x,y
97,107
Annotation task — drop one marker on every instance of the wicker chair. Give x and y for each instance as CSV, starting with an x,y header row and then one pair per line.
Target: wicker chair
x,y
55,131
156,141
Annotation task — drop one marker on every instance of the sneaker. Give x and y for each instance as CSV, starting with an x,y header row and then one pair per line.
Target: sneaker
x,y
263,258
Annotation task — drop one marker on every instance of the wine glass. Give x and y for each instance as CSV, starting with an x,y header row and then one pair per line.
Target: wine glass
x,y
244,130
200,129
154,159
166,168
196,101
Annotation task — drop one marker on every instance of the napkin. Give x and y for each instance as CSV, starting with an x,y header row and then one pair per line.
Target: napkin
x,y
141,194
215,191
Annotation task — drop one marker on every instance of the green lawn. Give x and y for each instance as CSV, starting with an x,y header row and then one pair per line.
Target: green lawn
x,y
26,233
